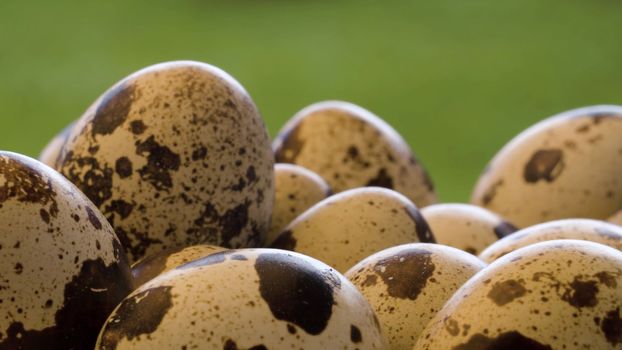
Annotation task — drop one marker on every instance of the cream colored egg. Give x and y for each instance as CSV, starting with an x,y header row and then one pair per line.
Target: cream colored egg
x,y
347,227
296,190
466,227
175,155
616,218
408,284
582,229
563,294
51,151
566,166
350,147
62,269
245,299
152,266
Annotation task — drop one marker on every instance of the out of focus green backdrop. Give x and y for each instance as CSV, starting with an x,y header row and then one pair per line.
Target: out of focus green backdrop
x,y
456,78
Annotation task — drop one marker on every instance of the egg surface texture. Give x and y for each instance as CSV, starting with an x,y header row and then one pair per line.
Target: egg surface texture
x,y
149,267
62,269
175,155
466,227
582,229
245,299
562,294
350,147
408,284
51,151
567,166
347,227
296,190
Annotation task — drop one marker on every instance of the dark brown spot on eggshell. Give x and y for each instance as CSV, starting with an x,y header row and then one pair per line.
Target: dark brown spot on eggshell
x,y
581,293
137,127
512,340
95,183
290,147
355,334
123,167
491,192
93,219
231,222
231,345
504,228
112,110
382,179
285,241
296,291
160,162
424,233
507,291
612,327
406,273
138,315
120,207
545,164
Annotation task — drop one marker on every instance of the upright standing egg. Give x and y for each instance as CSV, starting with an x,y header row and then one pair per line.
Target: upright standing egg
x,y
351,147
62,269
175,155
563,167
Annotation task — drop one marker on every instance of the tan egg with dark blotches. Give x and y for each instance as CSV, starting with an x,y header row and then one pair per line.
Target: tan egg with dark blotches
x,y
562,294
51,151
566,166
582,229
616,218
466,227
245,299
175,155
408,284
152,266
351,147
296,190
345,228
62,268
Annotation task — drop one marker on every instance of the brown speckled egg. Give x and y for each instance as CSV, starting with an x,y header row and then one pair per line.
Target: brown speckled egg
x,y
563,167
175,155
62,269
52,150
563,294
154,265
347,227
582,229
245,299
296,190
408,284
351,147
466,227
616,218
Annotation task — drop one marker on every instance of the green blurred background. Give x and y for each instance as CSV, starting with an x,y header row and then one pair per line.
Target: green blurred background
x,y
456,78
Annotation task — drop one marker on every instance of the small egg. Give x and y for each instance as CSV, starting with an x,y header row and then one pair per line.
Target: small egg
x,y
466,227
563,294
566,166
152,266
345,228
245,299
296,190
49,155
350,147
62,268
408,284
616,218
174,155
581,229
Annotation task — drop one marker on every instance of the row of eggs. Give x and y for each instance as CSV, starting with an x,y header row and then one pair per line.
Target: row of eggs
x,y
177,155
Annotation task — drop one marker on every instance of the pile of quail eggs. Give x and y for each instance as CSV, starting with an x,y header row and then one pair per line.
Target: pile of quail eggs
x,y
166,218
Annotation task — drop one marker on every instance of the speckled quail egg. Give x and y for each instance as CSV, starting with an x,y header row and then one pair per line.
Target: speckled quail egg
x,y
175,155
582,229
245,299
407,285
466,227
347,227
616,218
563,167
296,190
154,265
52,150
563,294
351,147
62,269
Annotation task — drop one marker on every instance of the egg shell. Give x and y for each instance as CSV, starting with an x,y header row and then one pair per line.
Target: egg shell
x,y
175,155
351,147
563,294
467,227
245,299
296,190
62,269
581,229
345,228
616,218
50,153
566,166
408,284
154,265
